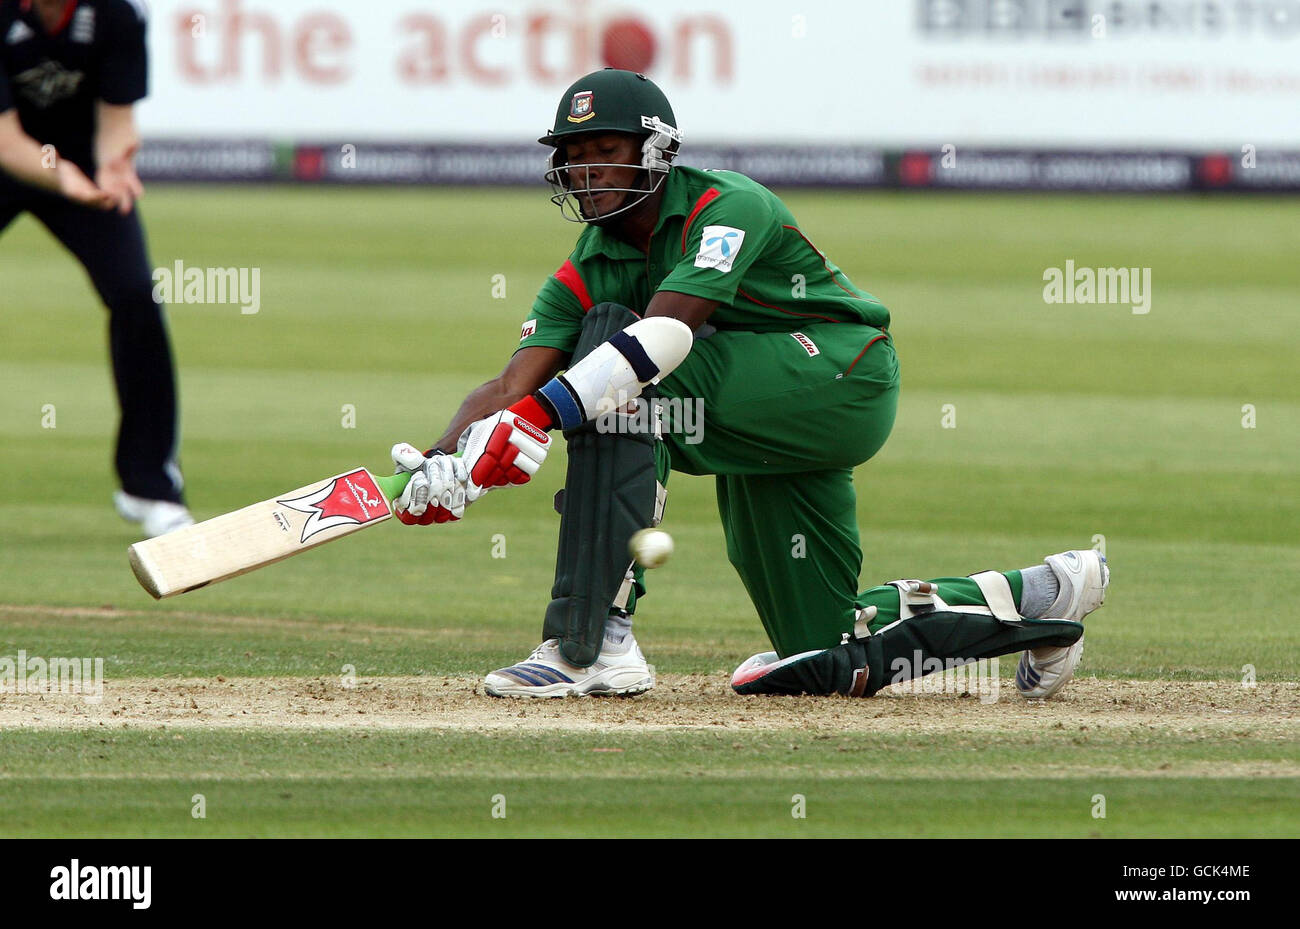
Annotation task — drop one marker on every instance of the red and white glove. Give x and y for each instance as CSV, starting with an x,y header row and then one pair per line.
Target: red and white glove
x,y
436,491
502,449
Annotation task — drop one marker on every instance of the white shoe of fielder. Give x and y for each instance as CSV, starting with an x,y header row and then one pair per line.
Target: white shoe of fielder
x,y
156,517
620,669
1083,577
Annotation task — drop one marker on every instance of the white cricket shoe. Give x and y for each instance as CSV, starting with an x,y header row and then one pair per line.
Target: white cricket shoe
x,y
156,517
620,669
1084,577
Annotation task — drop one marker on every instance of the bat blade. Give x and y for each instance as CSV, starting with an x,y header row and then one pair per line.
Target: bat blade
x,y
263,533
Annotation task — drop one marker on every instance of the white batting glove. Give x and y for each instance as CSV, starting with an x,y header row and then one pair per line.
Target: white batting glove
x,y
502,449
436,492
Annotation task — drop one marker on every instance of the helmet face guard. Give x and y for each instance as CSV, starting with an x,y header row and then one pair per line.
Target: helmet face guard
x,y
571,184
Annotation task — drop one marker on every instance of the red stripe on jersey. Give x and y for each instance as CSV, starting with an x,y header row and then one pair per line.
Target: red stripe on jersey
x,y
569,277
705,199
883,335
786,312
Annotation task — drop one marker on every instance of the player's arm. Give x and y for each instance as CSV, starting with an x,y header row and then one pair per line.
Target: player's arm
x,y
720,244
116,144
123,81
527,371
529,398
437,491
690,309
509,446
22,157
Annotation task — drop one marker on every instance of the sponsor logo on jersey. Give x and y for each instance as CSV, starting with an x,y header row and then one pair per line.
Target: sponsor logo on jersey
x,y
348,500
48,83
82,30
528,329
18,32
807,343
719,246
582,107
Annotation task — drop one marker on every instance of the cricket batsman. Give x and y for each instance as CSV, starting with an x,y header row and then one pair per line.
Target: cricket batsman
x,y
689,286
70,74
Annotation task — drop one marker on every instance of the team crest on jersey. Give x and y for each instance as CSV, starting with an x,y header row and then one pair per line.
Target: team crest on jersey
x,y
528,329
48,83
719,246
349,500
582,107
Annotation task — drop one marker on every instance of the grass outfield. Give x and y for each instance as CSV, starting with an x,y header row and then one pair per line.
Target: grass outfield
x,y
446,784
1072,422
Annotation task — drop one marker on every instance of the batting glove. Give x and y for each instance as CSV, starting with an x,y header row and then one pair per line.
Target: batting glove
x,y
436,492
502,449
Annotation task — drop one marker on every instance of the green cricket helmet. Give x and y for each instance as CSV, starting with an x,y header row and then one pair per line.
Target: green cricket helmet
x,y
610,101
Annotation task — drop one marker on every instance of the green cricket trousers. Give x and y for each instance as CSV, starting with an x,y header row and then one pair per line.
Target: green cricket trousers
x,y
786,418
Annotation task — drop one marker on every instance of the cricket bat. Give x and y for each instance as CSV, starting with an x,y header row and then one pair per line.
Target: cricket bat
x,y
264,533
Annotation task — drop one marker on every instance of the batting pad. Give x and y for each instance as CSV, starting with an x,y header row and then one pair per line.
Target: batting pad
x,y
903,651
609,493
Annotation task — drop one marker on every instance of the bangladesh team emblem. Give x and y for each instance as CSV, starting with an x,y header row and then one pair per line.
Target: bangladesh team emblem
x,y
348,500
582,107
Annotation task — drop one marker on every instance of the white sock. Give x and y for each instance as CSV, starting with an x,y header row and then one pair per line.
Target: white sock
x,y
1039,590
618,626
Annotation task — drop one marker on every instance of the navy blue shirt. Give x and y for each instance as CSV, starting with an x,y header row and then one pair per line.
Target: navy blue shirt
x,y
54,79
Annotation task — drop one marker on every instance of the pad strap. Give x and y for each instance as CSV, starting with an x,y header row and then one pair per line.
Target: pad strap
x,y
996,590
917,597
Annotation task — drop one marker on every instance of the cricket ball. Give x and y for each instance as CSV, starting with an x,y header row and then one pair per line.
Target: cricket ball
x,y
650,547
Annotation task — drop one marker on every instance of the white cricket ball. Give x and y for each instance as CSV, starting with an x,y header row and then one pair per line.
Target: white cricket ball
x,y
650,547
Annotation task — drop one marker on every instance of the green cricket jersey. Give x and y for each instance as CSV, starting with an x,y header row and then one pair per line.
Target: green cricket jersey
x,y
720,236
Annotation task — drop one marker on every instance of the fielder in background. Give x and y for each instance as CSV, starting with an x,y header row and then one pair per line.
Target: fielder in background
x,y
70,72
795,371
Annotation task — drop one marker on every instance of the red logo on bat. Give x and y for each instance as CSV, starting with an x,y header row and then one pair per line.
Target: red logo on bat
x,y
350,499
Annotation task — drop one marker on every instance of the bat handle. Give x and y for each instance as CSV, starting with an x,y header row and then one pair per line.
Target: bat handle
x,y
392,485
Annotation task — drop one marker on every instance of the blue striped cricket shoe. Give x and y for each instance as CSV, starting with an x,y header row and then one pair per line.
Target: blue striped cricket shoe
x,y
621,669
1084,577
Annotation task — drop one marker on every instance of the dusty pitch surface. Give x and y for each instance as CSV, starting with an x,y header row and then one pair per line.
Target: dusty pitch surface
x,y
1210,709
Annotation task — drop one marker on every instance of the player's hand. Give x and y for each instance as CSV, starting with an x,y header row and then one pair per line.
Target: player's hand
x,y
117,176
502,449
78,188
436,492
